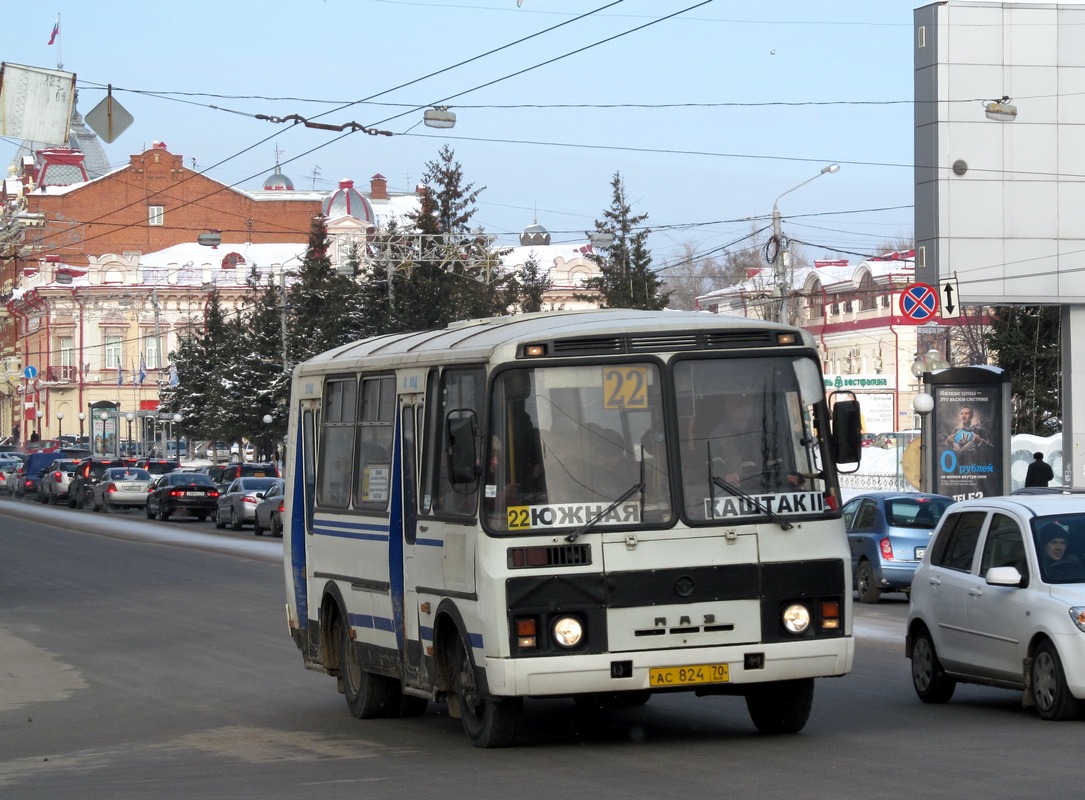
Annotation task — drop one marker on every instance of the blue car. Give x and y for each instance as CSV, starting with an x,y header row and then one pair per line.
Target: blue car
x,y
888,533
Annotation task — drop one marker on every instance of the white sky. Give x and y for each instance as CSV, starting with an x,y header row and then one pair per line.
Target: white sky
x,y
698,172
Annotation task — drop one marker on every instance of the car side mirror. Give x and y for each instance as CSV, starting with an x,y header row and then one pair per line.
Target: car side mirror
x,y
1003,576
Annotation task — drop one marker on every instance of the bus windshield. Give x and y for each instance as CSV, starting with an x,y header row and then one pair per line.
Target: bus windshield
x,y
568,442
589,445
747,441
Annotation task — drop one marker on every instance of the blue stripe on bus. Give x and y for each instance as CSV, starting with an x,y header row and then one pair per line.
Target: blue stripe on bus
x,y
426,635
369,621
430,542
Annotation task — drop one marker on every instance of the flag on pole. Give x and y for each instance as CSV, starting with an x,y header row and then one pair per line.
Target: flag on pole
x,y
56,31
120,374
173,375
132,372
142,369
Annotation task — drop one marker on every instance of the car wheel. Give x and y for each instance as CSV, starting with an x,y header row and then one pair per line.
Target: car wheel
x,y
218,521
866,584
780,706
150,512
94,505
52,498
488,721
235,523
1053,699
72,497
276,527
929,679
163,513
201,517
257,528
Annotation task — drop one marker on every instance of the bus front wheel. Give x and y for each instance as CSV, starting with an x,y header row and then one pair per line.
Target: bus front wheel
x,y
368,695
781,707
488,721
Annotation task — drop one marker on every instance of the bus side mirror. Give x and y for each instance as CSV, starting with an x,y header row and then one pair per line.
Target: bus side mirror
x,y
462,455
847,431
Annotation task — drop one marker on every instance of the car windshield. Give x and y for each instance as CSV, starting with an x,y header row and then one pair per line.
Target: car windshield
x,y
1060,547
256,484
917,512
118,474
189,479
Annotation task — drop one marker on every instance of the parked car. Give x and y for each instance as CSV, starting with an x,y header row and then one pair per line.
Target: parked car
x,y
86,473
237,505
9,473
56,480
867,439
215,451
999,599
888,533
121,487
256,470
188,493
269,511
242,451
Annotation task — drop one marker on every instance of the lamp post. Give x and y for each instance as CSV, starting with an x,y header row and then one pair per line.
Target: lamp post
x,y
923,405
177,436
60,424
37,429
82,419
129,416
268,419
104,417
782,259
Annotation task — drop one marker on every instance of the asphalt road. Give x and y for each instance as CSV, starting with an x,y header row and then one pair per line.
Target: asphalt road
x,y
144,659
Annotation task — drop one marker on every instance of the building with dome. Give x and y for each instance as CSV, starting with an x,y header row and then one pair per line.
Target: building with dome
x,y
567,266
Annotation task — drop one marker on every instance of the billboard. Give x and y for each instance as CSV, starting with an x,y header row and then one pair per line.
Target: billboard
x,y
968,432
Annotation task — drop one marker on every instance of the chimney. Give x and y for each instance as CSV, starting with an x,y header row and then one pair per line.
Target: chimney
x,y
378,187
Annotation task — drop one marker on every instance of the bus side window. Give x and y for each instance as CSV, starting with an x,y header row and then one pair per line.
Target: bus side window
x,y
461,399
337,443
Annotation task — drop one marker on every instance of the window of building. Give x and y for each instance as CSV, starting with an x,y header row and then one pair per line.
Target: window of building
x,y
112,352
867,298
156,215
67,357
150,350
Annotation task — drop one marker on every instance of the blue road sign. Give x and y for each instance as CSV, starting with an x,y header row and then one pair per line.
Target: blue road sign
x,y
30,373
919,302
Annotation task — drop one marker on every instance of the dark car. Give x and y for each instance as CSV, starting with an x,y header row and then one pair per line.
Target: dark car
x,y
888,533
87,473
269,511
157,466
36,464
189,493
255,470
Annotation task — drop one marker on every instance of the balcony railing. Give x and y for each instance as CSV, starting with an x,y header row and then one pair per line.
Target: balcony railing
x,y
58,374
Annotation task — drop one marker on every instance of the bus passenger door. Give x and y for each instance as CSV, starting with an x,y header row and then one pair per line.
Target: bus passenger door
x,y
411,644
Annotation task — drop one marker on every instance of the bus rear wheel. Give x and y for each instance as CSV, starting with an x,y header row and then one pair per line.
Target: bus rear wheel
x,y
488,721
781,707
368,695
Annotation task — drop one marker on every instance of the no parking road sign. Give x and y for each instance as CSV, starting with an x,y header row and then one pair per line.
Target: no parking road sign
x,y
919,302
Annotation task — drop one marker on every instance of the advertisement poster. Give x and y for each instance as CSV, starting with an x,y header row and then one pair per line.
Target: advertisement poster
x,y
967,441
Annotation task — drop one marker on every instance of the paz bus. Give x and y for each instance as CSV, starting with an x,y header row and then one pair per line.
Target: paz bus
x,y
599,505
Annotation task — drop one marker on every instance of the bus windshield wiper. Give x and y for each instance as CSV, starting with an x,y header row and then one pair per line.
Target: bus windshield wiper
x,y
591,523
749,498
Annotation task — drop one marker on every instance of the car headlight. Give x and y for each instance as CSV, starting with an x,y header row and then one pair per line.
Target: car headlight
x,y
796,618
568,631
1077,614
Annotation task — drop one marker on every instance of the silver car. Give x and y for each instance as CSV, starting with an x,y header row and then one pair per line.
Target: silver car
x,y
121,487
55,481
237,505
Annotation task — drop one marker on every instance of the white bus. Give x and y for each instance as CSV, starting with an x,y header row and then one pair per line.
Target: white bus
x,y
590,504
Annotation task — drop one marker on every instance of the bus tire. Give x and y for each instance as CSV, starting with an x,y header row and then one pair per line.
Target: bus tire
x,y
488,721
781,706
368,695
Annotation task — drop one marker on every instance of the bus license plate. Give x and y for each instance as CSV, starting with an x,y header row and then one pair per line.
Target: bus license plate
x,y
686,676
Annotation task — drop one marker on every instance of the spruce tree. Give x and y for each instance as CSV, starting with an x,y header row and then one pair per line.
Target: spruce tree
x,y
534,283
1026,342
627,279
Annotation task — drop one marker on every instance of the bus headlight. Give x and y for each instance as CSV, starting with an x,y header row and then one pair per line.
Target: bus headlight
x,y
796,618
568,631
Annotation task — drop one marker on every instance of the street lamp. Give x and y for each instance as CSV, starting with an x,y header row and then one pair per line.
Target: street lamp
x,y
39,415
177,436
104,417
129,416
268,419
923,404
60,424
82,419
782,257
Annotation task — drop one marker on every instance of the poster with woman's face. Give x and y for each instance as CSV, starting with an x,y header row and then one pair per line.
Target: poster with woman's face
x,y
967,441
